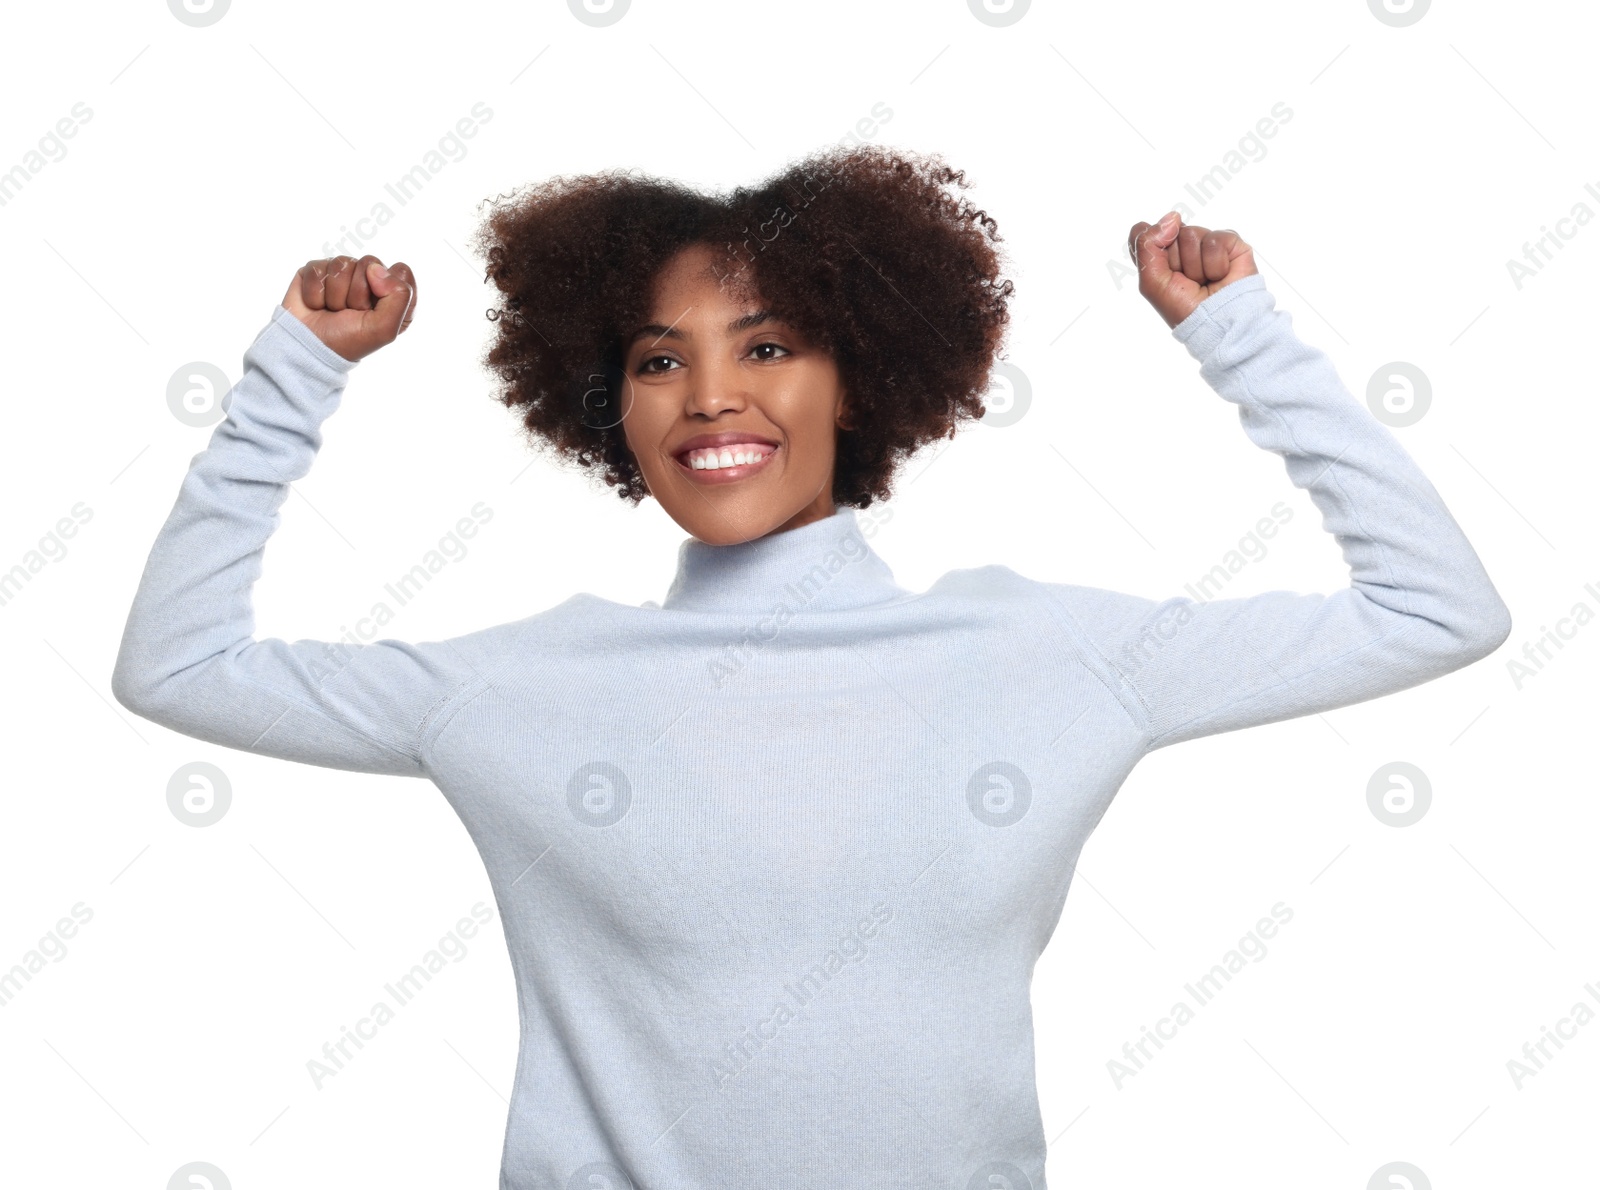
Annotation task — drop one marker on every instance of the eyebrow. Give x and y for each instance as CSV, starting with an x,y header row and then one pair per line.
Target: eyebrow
x,y
672,332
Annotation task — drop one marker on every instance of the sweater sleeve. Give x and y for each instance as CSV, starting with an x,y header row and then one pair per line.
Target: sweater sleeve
x,y
188,659
1419,603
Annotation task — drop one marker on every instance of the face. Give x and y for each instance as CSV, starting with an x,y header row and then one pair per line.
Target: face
x,y
730,413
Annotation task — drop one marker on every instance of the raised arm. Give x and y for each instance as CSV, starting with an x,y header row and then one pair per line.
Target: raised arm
x,y
1419,603
188,659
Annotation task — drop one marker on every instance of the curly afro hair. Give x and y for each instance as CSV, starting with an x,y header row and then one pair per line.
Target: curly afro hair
x,y
871,253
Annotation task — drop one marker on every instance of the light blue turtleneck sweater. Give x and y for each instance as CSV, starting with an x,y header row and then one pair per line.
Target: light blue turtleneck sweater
x,y
775,859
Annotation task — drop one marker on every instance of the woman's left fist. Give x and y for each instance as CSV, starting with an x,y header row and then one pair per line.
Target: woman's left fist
x,y
1179,267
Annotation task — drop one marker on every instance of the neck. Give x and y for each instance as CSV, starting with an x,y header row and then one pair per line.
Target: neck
x,y
823,564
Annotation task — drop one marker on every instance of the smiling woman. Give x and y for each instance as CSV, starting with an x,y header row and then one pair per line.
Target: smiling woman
x,y
729,414
776,857
638,317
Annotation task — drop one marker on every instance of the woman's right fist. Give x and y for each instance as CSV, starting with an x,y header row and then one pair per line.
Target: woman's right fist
x,y
354,306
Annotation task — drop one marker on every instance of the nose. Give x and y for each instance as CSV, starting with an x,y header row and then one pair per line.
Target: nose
x,y
717,384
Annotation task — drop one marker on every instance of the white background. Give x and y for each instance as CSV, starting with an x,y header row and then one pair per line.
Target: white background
x,y
1417,162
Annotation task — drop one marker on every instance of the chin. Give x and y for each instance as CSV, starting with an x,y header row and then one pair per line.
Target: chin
x,y
729,523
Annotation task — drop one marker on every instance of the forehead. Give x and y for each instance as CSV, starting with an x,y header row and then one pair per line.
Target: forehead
x,y
706,275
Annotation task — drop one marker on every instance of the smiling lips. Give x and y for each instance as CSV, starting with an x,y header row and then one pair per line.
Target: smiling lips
x,y
726,462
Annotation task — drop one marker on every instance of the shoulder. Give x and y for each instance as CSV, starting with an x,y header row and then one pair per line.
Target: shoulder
x,y
1101,621
1095,626
1090,606
488,649
467,665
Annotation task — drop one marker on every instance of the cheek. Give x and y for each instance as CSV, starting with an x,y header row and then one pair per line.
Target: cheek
x,y
630,432
646,423
810,406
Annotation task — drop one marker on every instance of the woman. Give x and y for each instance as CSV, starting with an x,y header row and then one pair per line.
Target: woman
x,y
775,859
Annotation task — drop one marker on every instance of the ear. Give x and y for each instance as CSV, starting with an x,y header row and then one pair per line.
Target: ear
x,y
845,416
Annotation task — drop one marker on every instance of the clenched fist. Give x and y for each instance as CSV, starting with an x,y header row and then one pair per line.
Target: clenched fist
x,y
354,306
1179,267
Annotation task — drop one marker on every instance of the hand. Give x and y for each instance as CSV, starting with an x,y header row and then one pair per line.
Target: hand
x,y
1179,267
354,306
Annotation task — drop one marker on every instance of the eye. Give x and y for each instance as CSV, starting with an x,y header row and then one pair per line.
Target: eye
x,y
778,346
644,364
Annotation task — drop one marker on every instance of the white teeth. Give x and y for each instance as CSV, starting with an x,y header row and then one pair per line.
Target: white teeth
x,y
712,459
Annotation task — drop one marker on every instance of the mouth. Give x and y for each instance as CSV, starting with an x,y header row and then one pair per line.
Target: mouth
x,y
727,463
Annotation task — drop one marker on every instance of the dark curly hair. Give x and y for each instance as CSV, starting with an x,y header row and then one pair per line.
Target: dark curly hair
x,y
870,253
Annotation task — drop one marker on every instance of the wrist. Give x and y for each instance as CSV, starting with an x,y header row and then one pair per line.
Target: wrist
x,y
1206,324
285,322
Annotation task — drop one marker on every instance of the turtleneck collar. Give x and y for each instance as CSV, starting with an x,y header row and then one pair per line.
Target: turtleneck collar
x,y
824,565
